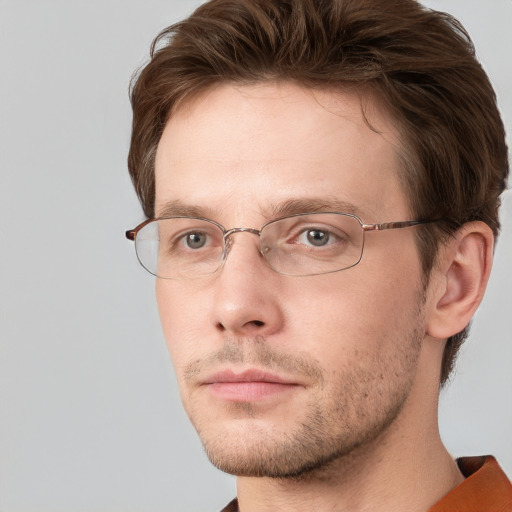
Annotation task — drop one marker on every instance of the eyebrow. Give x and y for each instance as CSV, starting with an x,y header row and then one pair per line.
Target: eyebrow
x,y
177,208
313,204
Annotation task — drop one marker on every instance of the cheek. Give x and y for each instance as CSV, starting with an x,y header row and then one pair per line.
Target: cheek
x,y
354,308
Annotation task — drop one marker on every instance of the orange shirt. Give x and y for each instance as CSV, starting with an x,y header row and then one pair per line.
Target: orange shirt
x,y
485,489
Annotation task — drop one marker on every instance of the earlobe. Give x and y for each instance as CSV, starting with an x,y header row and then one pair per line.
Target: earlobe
x,y
460,278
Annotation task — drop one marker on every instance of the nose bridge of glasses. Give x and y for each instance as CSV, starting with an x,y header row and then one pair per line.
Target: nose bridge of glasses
x,y
229,232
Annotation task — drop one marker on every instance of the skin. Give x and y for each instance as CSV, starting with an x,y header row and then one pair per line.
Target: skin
x,y
355,408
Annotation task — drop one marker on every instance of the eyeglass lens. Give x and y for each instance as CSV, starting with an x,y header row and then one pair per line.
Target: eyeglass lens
x,y
306,244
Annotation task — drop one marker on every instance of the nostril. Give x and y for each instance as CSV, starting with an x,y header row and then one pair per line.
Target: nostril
x,y
256,323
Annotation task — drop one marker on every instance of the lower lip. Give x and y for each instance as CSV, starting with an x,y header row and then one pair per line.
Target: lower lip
x,y
248,391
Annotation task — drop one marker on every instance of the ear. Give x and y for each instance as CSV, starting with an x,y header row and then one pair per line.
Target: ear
x,y
459,279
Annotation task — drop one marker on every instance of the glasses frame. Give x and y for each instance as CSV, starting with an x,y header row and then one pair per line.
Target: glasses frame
x,y
131,234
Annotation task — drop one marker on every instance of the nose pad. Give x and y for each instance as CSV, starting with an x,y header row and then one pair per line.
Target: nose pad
x,y
228,244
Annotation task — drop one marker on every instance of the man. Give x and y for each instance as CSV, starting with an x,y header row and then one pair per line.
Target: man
x,y
321,181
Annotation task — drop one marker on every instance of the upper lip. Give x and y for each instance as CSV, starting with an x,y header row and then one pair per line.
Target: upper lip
x,y
250,375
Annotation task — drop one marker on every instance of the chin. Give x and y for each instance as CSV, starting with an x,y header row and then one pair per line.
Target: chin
x,y
253,449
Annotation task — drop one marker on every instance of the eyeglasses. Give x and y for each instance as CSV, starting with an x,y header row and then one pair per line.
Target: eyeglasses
x,y
305,244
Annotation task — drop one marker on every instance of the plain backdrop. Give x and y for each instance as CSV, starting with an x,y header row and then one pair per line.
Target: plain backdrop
x,y
90,418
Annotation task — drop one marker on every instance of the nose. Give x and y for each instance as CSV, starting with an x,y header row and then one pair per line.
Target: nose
x,y
247,301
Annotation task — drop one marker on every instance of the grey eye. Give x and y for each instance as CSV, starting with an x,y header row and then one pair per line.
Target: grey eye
x,y
317,237
195,240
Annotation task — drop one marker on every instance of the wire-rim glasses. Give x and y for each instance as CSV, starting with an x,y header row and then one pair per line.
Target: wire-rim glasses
x,y
303,244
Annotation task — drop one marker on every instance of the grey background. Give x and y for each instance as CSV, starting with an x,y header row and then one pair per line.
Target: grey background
x,y
90,418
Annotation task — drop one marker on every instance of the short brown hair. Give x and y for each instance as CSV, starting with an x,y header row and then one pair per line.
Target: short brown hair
x,y
421,64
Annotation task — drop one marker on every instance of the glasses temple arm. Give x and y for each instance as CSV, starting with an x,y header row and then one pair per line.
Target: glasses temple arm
x,y
394,225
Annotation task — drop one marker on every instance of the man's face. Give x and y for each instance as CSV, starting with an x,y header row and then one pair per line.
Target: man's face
x,y
282,374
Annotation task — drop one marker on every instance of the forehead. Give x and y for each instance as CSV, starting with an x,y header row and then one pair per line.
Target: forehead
x,y
270,143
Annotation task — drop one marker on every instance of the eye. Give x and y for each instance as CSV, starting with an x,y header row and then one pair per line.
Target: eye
x,y
195,240
184,237
316,237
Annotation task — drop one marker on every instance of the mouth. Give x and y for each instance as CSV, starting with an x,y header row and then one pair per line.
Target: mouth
x,y
248,386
